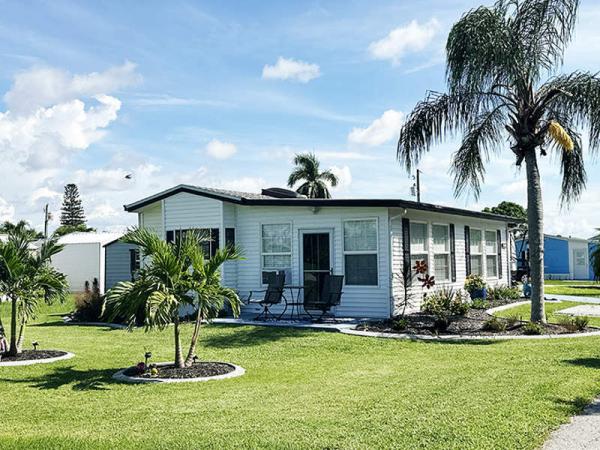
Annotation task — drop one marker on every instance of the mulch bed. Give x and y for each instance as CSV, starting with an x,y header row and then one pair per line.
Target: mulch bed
x,y
471,324
197,370
28,355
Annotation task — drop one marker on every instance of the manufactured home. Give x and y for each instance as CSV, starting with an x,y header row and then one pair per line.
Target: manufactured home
x,y
368,241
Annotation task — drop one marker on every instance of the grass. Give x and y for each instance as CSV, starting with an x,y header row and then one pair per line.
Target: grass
x,y
584,291
570,282
552,308
302,389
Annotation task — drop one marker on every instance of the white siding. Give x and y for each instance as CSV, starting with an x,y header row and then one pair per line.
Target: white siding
x,y
151,218
229,221
117,261
183,211
363,301
459,226
80,263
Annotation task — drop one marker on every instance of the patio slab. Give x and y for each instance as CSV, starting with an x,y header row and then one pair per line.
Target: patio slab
x,y
582,310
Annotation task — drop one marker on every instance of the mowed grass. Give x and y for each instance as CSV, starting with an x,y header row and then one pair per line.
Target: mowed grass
x,y
552,308
587,290
302,389
570,282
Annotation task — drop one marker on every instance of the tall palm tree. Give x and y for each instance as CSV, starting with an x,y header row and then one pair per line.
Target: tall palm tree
x,y
175,275
498,59
315,183
26,279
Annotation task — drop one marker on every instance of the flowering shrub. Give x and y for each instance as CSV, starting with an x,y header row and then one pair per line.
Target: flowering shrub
x,y
474,283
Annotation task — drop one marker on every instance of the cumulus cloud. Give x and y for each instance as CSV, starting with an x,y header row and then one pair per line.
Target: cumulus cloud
x,y
381,130
291,69
344,176
7,211
411,38
220,150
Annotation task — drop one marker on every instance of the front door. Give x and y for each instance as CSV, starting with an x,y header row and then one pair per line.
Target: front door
x,y
580,267
316,263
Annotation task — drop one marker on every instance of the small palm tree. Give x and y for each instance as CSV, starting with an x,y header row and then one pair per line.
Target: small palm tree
x,y
175,275
26,279
315,183
497,61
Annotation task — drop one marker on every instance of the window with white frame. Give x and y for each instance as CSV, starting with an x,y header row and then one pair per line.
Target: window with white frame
x,y
476,252
361,252
276,245
441,251
419,243
491,254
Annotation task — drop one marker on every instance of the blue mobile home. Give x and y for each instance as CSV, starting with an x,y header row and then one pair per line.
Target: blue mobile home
x,y
565,258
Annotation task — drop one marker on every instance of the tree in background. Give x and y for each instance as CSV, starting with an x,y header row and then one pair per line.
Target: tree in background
x,y
315,183
497,62
72,210
508,209
8,227
67,229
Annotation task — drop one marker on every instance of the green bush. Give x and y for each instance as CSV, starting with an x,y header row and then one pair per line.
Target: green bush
x,y
573,324
532,328
494,324
474,283
512,320
503,293
445,302
400,324
480,303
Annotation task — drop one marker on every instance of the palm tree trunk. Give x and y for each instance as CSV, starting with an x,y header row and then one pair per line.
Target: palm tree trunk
x,y
21,337
13,351
192,351
178,353
535,222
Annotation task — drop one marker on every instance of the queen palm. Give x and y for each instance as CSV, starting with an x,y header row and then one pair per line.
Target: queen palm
x,y
26,279
503,83
175,275
314,182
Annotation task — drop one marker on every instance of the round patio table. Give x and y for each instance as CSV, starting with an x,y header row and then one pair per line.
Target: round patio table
x,y
294,304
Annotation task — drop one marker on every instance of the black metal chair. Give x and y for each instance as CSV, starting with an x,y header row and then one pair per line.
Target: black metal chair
x,y
273,295
330,296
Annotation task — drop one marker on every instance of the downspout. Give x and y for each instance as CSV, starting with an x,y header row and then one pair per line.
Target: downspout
x,y
391,261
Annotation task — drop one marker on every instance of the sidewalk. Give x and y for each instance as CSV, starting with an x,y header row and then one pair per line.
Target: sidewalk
x,y
583,433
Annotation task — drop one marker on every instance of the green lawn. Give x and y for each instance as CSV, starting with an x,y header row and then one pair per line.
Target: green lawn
x,y
524,311
303,389
585,291
569,282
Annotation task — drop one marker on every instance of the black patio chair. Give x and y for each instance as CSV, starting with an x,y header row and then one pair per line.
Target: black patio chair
x,y
273,295
330,296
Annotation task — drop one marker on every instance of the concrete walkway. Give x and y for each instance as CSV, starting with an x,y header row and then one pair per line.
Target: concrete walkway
x,y
573,298
583,433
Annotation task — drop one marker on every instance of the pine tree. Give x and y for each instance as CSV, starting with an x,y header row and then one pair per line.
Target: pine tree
x,y
72,210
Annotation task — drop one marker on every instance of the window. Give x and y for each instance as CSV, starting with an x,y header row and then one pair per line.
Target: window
x,y
209,246
491,252
441,252
276,244
230,237
360,252
134,262
476,252
419,240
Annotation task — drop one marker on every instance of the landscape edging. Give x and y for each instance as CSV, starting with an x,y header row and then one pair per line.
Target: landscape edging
x,y
30,362
237,372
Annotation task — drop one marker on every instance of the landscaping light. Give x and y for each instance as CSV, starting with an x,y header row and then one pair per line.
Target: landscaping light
x,y
195,358
147,356
35,345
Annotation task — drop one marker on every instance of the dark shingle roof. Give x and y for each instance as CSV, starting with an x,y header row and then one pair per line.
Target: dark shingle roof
x,y
246,198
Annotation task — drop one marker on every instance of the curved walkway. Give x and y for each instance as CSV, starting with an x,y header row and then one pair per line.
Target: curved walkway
x,y
582,433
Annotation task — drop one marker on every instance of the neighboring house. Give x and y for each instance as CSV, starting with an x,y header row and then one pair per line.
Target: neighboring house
x,y
121,262
565,258
365,240
84,258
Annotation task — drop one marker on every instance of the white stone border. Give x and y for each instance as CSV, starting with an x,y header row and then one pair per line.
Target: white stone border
x,y
30,362
237,372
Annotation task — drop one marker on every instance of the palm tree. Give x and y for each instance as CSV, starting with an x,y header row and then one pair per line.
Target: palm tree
x,y
175,275
314,182
26,278
497,61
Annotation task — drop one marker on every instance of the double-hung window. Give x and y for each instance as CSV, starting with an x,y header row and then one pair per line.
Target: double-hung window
x,y
360,252
419,243
476,252
276,249
441,252
491,252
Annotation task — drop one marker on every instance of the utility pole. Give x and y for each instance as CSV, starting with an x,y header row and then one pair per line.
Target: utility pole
x,y
418,186
46,219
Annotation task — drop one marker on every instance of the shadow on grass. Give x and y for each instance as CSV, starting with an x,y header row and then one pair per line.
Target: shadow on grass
x,y
81,380
253,336
465,342
576,405
591,363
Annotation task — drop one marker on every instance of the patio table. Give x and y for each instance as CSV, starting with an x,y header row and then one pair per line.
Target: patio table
x,y
294,302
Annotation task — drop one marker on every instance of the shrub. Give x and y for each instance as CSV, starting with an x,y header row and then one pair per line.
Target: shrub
x,y
573,324
494,324
88,304
479,303
512,320
532,328
400,324
503,293
474,283
446,302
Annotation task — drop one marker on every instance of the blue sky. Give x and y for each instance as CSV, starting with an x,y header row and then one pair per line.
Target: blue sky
x,y
224,93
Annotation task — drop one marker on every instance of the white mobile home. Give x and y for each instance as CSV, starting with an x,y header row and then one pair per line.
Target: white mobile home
x,y
366,240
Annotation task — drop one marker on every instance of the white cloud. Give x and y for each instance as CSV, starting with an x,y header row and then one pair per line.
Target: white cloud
x,y
344,175
291,69
402,40
220,150
103,211
380,131
7,211
43,87
243,184
44,193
